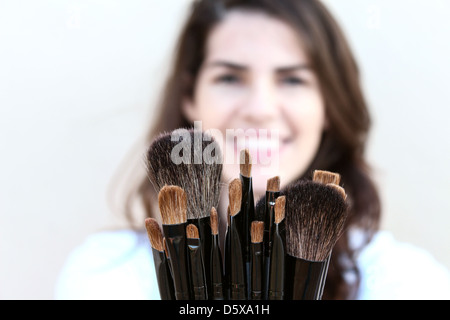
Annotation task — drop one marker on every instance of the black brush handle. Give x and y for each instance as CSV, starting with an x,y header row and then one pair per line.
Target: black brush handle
x,y
175,235
277,264
227,255
247,215
269,222
204,228
197,269
324,276
163,276
238,284
257,271
217,286
304,278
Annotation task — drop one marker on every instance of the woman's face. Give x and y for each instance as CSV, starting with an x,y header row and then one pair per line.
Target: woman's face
x,y
256,77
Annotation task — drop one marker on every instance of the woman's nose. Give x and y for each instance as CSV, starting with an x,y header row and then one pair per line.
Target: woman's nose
x,y
260,105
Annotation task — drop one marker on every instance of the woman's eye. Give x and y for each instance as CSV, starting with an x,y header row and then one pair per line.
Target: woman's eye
x,y
292,80
228,79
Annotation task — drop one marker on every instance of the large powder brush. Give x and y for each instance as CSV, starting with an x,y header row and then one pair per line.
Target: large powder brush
x,y
192,160
315,220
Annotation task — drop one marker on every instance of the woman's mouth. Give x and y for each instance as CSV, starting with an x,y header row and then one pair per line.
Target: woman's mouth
x,y
263,149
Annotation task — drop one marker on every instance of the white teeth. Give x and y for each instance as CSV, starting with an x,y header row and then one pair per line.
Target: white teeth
x,y
258,143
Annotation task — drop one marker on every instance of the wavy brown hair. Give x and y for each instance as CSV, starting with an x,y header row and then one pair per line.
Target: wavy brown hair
x,y
343,143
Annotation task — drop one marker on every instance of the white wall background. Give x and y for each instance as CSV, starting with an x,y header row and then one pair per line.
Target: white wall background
x,y
78,80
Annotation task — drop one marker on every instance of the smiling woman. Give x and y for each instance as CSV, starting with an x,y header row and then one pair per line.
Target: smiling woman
x,y
266,83
282,66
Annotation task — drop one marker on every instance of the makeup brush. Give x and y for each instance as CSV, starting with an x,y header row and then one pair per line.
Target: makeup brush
x,y
247,208
343,194
272,193
278,254
315,218
196,263
217,288
165,281
257,236
332,179
237,273
326,177
172,206
198,172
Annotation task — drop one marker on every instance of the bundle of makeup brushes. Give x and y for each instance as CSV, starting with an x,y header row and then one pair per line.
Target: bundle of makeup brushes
x,y
276,249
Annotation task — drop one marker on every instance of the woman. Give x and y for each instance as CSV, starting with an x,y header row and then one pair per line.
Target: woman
x,y
283,66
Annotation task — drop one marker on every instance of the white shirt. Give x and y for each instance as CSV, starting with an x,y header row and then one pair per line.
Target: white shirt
x,y
118,265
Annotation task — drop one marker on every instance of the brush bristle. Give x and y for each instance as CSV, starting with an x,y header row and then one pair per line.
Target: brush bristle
x,y
235,196
214,220
245,163
273,184
198,173
172,203
257,231
326,177
339,189
280,204
154,234
192,231
315,219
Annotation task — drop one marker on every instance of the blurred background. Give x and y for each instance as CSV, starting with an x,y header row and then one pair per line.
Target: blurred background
x,y
79,79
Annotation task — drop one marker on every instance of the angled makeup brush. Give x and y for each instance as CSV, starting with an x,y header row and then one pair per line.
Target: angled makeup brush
x,y
278,253
165,281
256,263
326,177
172,206
196,263
272,193
339,189
217,287
198,172
315,218
237,283
247,208
331,179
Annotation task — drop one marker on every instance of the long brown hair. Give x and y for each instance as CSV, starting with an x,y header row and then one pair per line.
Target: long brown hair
x,y
343,143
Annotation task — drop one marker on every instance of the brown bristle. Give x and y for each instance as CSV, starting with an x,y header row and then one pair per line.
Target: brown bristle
x,y
340,189
198,171
246,163
273,184
192,231
154,234
235,196
280,204
214,220
315,220
172,205
257,231
326,177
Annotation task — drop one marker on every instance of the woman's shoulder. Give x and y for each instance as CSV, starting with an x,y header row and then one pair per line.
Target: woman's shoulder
x,y
393,269
109,265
